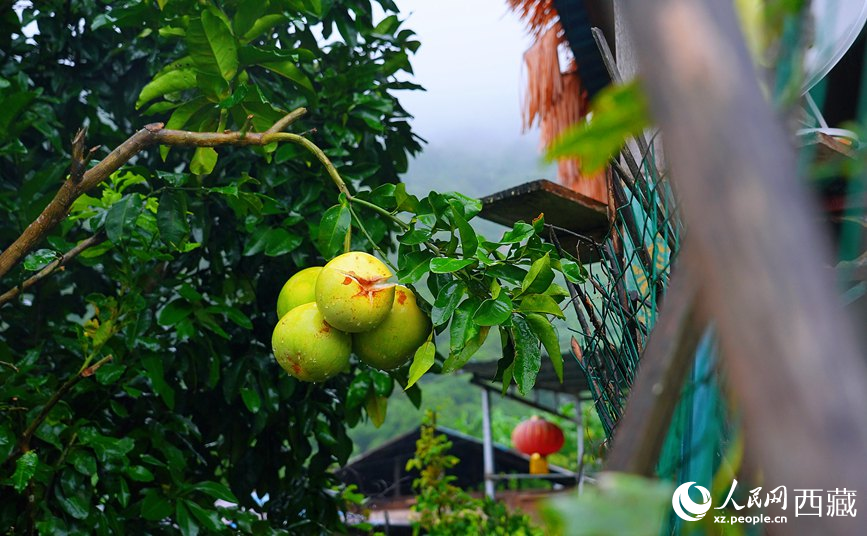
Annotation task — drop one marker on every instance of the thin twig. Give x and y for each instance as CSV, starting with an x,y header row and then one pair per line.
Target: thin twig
x,y
52,267
24,443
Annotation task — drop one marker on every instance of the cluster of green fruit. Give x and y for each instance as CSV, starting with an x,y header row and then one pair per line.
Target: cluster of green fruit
x,y
328,312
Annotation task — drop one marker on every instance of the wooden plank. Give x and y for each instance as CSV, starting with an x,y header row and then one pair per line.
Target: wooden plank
x,y
566,209
788,349
664,365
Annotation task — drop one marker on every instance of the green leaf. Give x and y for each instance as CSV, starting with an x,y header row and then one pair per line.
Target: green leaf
x,y
25,468
573,271
39,259
519,232
251,399
471,345
332,230
376,407
540,303
528,355
169,82
155,506
153,365
139,473
422,361
413,266
447,301
222,44
493,312
383,384
174,312
616,113
209,519
469,240
547,333
172,218
186,522
280,242
216,490
262,25
204,160
358,390
121,217
540,276
442,265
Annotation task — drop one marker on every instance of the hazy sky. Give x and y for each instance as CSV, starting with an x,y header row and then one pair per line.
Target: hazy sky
x,y
470,61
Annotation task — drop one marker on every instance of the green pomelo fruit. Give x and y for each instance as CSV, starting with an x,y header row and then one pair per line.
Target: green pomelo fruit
x,y
307,347
300,289
353,292
392,343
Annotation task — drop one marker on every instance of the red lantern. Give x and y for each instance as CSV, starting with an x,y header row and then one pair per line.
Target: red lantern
x,y
537,436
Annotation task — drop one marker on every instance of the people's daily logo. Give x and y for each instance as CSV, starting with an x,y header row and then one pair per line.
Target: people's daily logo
x,y
686,508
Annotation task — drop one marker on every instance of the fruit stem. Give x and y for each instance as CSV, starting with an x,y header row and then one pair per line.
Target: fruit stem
x,y
370,239
317,152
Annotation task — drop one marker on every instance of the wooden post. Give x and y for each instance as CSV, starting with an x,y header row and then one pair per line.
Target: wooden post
x,y
789,351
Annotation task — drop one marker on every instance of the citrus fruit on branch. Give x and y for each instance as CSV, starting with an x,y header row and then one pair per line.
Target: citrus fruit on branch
x,y
353,292
300,289
307,347
392,343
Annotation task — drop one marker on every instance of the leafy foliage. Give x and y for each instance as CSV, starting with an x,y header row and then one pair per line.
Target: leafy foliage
x,y
192,407
445,509
166,323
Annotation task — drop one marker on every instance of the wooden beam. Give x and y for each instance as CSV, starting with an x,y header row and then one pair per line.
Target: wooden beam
x,y
789,351
664,365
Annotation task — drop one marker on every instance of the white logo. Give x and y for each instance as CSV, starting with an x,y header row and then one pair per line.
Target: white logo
x,y
685,508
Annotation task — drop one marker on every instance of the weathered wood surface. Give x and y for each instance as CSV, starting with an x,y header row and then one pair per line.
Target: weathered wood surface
x,y
790,353
569,211
656,391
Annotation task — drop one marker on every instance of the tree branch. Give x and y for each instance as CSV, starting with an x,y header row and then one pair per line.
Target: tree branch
x,y
52,267
24,443
153,134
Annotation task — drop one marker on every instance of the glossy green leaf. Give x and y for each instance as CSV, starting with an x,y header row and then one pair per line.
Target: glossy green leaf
x,y
616,113
414,266
153,364
540,303
377,408
25,468
469,241
547,333
383,383
209,519
185,521
216,490
39,259
422,361
442,265
332,230
204,160
221,43
139,473
471,345
251,399
493,312
121,217
447,301
540,276
573,271
528,355
520,232
155,506
170,82
358,390
172,218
